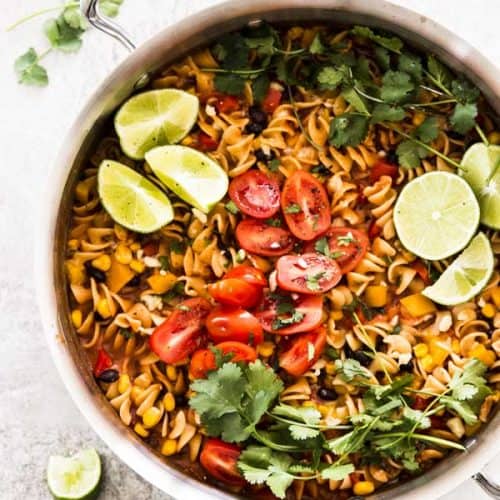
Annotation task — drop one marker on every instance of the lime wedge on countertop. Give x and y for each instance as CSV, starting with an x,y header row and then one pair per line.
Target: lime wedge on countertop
x,y
131,199
155,118
436,215
481,169
74,478
191,175
466,276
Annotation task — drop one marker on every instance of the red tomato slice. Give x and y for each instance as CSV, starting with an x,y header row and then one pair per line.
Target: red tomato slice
x,y
257,237
150,248
225,323
374,229
304,351
179,335
308,312
206,143
240,351
103,362
422,271
305,205
255,194
235,292
309,273
347,245
272,100
226,103
220,459
382,168
250,274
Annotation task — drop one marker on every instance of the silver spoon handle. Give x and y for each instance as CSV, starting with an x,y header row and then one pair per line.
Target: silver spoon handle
x,y
488,486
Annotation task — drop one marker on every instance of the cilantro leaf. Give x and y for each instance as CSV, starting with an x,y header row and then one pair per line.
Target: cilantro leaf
x,y
416,417
428,130
383,58
409,154
317,46
410,63
29,71
396,86
349,369
229,83
305,415
329,78
322,246
260,87
110,8
355,100
293,208
348,129
312,281
74,17
393,44
232,51
463,91
231,207
463,117
62,35
387,113
274,165
439,73
337,472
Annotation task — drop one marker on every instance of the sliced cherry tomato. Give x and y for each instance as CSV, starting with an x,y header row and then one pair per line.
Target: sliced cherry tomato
x,y
150,248
348,246
374,229
272,100
309,273
235,292
255,194
285,315
226,103
220,459
206,143
305,205
250,274
304,351
383,168
257,237
422,271
103,362
239,350
420,403
225,323
180,334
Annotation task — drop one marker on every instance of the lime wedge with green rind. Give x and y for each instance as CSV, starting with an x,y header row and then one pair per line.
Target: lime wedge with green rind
x,y
131,199
436,215
192,176
155,118
481,169
75,478
466,276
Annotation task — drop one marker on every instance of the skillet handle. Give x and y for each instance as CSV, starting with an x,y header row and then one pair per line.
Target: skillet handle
x,y
491,488
90,9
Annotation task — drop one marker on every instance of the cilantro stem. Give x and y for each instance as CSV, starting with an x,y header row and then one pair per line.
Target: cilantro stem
x,y
289,52
368,96
308,426
235,71
433,103
438,84
43,54
40,13
481,134
430,89
423,437
274,446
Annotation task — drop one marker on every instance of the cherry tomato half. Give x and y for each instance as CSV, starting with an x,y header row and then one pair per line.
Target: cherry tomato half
x,y
255,194
203,360
250,274
272,100
298,358
305,205
383,168
422,271
179,335
225,323
235,292
309,273
226,103
348,246
285,316
103,362
220,459
374,229
205,142
257,237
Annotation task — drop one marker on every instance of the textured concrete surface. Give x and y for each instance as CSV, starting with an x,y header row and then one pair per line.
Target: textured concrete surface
x,y
37,416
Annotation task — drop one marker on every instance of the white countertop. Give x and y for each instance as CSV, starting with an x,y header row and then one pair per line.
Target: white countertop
x,y
37,415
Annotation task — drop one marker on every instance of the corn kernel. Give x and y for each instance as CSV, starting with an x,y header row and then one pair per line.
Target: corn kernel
x,y
120,232
169,447
139,429
151,417
418,305
363,488
135,394
75,273
123,383
103,308
309,404
438,352
73,244
82,191
421,350
103,263
336,315
494,137
295,32
169,402
470,430
187,141
480,352
324,410
331,368
266,349
123,254
418,118
137,265
488,311
376,296
495,295
76,318
161,283
135,246
171,373
455,346
428,363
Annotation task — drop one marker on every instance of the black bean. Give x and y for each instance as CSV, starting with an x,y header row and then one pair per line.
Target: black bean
x,y
327,394
257,115
363,358
392,157
95,273
254,128
109,375
454,135
261,156
180,400
135,281
407,367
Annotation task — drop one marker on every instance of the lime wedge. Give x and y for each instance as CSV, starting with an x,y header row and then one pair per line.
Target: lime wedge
x,y
132,200
191,175
155,118
436,215
481,169
75,477
466,276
